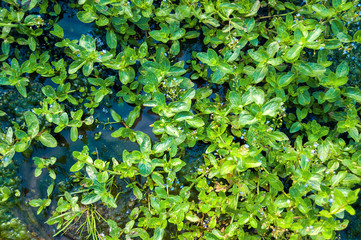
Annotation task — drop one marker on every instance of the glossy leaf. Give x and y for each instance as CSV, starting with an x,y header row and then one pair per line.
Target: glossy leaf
x,y
48,140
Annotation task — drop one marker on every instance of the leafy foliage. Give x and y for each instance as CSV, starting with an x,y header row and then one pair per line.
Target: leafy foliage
x,y
281,129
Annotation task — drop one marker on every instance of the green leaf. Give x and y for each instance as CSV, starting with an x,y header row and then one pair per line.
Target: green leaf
x,y
77,166
228,167
313,35
137,193
258,56
115,116
126,75
342,69
111,39
88,43
357,36
195,122
172,131
271,107
254,9
58,31
296,126
36,202
49,91
191,34
146,145
353,93
275,182
142,233
260,74
250,163
336,179
133,115
87,17
145,168
90,198
178,34
245,119
159,36
50,189
343,37
162,146
88,68
22,89
158,179
57,8
193,218
235,99
204,58
47,140
286,79
304,98
293,54
102,177
158,234
32,43
272,49
181,116
279,136
32,122
143,50
22,146
350,210
4,81
74,134
77,115
76,65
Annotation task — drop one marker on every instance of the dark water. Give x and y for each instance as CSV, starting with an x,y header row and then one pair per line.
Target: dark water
x,y
72,26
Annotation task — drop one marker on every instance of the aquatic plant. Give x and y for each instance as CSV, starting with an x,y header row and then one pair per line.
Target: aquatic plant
x,y
271,118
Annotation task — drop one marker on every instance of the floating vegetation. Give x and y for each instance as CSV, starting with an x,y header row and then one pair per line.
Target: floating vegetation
x,y
180,119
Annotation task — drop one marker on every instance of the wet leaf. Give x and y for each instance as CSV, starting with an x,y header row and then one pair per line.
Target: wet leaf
x,y
48,140
90,198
